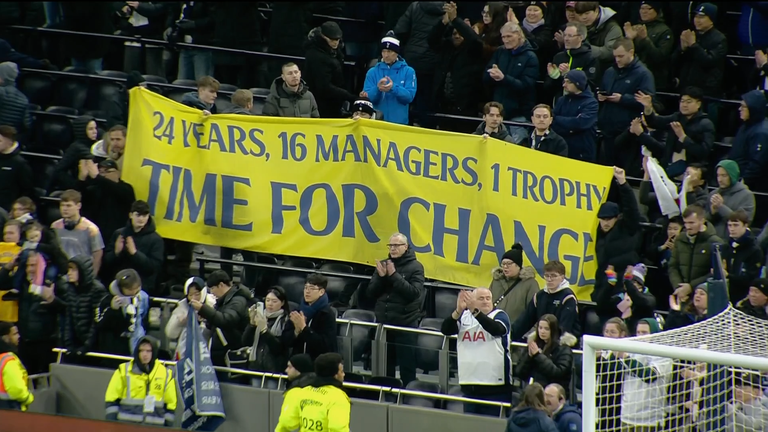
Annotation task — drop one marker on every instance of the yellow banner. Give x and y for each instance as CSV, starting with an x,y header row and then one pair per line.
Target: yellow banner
x,y
338,189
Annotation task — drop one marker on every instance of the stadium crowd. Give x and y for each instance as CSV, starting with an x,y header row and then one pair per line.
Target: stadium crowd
x,y
583,80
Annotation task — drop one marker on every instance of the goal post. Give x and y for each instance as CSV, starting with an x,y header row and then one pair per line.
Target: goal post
x,y
718,360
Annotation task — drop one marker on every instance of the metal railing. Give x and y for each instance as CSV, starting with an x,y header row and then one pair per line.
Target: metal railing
x,y
280,377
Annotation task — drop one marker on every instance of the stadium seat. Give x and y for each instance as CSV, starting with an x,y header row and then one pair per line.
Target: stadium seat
x,y
223,104
53,132
336,267
299,263
63,110
421,401
34,107
50,212
185,83
293,284
359,315
445,301
260,92
114,74
70,91
360,298
381,381
359,336
175,94
455,406
155,79
43,169
103,93
228,88
429,346
372,63
352,377
336,285
258,107
37,87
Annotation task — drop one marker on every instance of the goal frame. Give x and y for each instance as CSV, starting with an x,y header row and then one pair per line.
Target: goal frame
x,y
593,344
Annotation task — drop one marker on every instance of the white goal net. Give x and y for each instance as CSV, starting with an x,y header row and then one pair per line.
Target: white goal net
x,y
709,376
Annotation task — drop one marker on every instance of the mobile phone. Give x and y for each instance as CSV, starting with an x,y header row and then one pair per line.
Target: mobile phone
x,y
260,307
603,93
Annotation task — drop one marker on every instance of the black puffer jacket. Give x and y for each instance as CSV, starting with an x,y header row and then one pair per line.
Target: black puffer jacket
x,y
699,140
399,297
65,173
413,30
324,74
464,64
553,367
147,261
617,247
703,64
14,107
743,262
227,322
82,300
37,321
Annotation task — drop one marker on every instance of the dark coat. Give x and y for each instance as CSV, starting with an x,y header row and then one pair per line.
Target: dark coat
x,y
682,318
201,12
413,29
568,419
543,37
147,261
400,296
530,420
14,107
581,59
699,140
703,64
37,321
192,100
628,148
281,103
750,146
82,302
615,117
517,90
272,351
65,172
318,337
691,262
552,143
16,179
654,51
552,368
502,134
230,318
84,16
464,64
743,262
618,247
324,73
575,119
758,312
106,203
157,15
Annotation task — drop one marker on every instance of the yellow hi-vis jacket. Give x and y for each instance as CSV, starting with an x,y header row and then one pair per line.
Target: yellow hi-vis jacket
x,y
14,391
138,397
315,409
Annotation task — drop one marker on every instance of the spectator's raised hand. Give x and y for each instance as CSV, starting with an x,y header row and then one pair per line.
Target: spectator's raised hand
x,y
450,10
551,69
760,58
682,292
564,68
674,303
716,202
299,321
677,128
629,31
636,127
363,94
119,244
461,303
619,175
645,100
130,245
496,73
196,305
613,98
533,349
642,31
390,268
93,169
381,268
82,170
559,38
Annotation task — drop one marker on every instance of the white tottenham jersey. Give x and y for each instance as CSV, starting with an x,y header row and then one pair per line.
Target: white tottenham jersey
x,y
483,358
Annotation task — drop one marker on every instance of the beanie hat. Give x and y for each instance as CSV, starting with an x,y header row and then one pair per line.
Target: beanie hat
x,y
390,42
539,5
639,272
653,324
578,78
761,284
515,254
709,10
331,30
363,105
302,363
732,168
134,79
655,5
8,72
702,287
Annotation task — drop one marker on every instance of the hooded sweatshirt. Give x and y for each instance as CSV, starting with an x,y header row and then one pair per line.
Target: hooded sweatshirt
x,y
148,259
192,100
601,36
560,302
176,328
82,300
750,146
65,173
737,196
14,105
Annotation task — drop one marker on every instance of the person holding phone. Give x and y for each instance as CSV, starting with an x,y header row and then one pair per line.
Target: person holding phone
x,y
268,332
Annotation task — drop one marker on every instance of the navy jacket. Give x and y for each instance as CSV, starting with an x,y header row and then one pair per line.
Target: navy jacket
x,y
551,143
750,146
568,419
615,117
517,90
530,420
575,119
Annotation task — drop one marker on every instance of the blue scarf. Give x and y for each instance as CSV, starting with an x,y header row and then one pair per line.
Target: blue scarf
x,y
311,310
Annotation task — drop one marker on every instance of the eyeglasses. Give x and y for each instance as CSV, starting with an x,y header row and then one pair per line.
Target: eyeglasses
x,y
395,245
551,275
507,263
311,288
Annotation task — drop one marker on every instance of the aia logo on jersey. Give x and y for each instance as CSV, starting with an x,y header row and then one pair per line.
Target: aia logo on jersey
x,y
474,336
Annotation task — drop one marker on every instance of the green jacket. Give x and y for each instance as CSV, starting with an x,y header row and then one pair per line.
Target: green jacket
x,y
691,263
284,103
517,300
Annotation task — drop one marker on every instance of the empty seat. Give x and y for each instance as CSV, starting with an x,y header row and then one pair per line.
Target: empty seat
x,y
445,301
113,74
43,169
34,107
50,212
422,401
359,315
293,284
37,87
361,299
336,267
355,378
429,346
455,406
260,92
359,336
185,83
336,285
63,110
299,263
52,132
155,79
102,94
381,381
228,88
71,92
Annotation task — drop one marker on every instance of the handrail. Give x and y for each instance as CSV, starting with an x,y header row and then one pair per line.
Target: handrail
x,y
163,43
40,155
67,116
357,386
356,322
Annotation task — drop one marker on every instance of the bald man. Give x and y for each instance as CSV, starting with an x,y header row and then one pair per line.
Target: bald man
x,y
485,370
